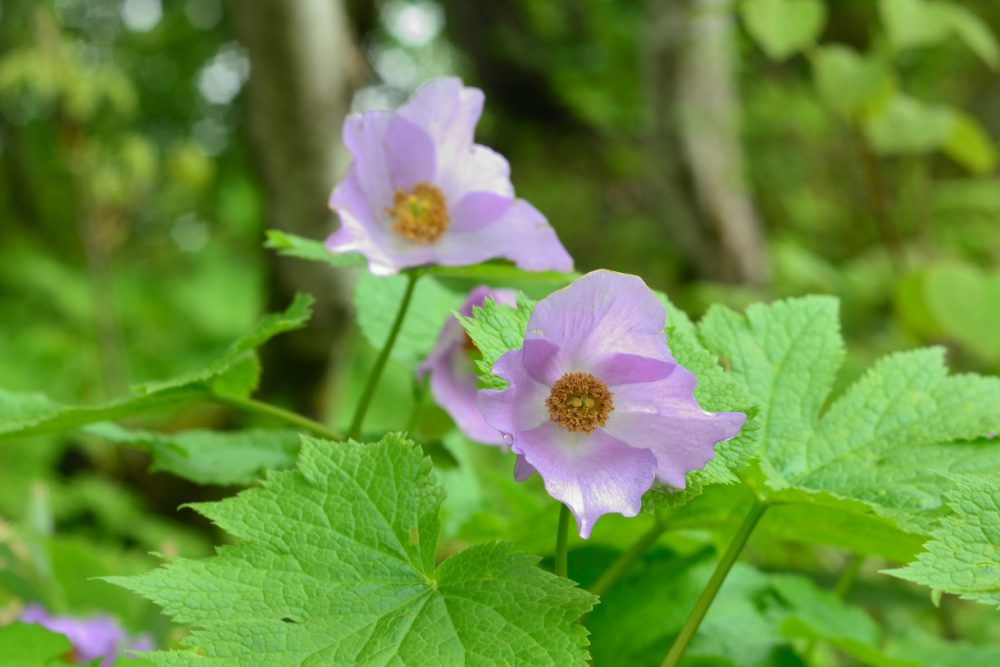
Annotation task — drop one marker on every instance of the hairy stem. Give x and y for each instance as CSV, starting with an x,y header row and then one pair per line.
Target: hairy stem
x,y
279,414
562,541
614,572
383,356
714,584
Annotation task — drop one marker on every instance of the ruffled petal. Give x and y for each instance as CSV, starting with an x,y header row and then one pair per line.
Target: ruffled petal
x,y
522,235
602,313
593,474
447,111
519,407
665,418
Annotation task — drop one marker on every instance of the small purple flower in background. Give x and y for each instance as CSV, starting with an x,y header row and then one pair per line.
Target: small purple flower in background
x,y
420,191
453,376
92,638
596,403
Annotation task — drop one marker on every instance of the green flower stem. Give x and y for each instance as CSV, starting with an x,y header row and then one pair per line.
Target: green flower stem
x,y
562,541
279,414
369,391
714,584
611,575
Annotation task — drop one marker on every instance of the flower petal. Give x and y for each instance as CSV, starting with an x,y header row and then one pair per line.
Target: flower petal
x,y
364,136
453,385
522,235
522,469
410,155
602,313
622,368
519,407
453,377
541,360
593,474
476,210
448,112
665,418
476,169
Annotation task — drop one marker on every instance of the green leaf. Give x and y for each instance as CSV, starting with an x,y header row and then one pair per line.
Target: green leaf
x,y
963,555
300,247
495,328
232,373
716,391
31,645
850,83
964,302
784,27
498,273
294,317
913,23
210,457
975,33
492,273
878,442
819,615
970,145
334,563
664,587
906,126
376,301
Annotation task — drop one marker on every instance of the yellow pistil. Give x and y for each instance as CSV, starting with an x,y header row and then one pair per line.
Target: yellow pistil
x,y
579,402
419,215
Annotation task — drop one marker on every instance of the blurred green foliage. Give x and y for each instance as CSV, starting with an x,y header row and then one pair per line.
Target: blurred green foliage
x,y
131,231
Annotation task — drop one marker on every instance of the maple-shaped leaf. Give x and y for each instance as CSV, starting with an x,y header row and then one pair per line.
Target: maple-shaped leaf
x,y
334,564
885,442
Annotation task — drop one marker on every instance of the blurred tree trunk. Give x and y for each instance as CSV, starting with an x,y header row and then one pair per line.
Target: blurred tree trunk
x,y
697,142
305,66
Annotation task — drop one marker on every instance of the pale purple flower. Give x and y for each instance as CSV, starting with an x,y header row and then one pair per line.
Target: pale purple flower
x,y
420,191
97,637
596,403
453,375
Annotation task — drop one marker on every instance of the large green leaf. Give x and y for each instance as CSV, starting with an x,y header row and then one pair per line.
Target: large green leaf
x,y
334,563
963,556
233,373
884,442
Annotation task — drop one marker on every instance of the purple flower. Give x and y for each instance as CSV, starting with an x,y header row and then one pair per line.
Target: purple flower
x,y
597,404
92,638
419,191
453,377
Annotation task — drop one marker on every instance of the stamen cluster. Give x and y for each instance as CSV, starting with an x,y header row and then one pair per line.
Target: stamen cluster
x,y
579,402
419,215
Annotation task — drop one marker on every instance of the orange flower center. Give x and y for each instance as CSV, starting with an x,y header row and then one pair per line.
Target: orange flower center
x,y
579,402
419,215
